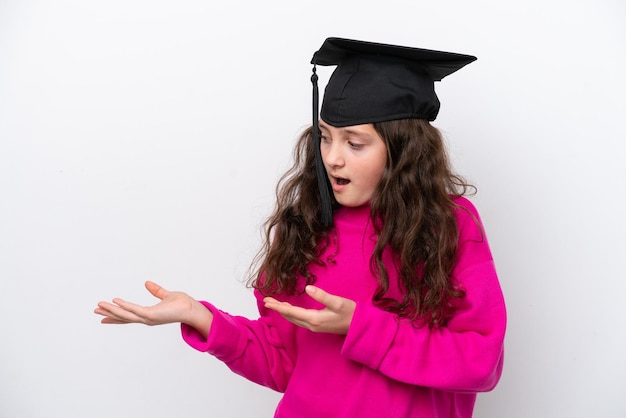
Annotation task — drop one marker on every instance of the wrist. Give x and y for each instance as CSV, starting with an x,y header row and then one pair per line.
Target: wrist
x,y
200,318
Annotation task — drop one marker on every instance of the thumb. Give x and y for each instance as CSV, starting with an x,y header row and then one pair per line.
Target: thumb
x,y
319,295
156,290
332,302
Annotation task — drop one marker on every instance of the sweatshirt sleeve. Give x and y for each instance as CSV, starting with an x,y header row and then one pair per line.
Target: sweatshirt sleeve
x,y
466,355
254,349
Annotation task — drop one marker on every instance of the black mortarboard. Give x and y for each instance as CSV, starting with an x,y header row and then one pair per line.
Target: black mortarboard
x,y
375,83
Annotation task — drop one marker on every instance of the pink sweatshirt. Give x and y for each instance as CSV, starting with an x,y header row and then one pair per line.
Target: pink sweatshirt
x,y
384,366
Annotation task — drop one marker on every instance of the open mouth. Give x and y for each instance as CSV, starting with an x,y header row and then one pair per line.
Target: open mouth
x,y
341,181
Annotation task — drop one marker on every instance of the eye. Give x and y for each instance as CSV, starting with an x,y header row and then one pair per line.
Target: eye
x,y
324,139
354,145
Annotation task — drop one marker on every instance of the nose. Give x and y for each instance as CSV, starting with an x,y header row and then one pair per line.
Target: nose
x,y
332,154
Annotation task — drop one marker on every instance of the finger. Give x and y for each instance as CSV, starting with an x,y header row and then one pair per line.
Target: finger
x,y
110,313
293,314
103,312
138,312
276,305
286,309
295,321
332,302
156,290
306,318
109,320
105,309
122,311
269,299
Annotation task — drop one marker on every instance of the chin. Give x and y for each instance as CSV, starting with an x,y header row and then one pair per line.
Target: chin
x,y
351,204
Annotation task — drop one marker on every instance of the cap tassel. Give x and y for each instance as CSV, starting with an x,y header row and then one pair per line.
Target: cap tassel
x,y
322,178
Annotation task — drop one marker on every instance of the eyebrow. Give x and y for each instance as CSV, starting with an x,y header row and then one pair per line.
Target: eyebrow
x,y
355,132
322,125
347,130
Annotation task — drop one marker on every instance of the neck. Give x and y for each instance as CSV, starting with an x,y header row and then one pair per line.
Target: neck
x,y
357,214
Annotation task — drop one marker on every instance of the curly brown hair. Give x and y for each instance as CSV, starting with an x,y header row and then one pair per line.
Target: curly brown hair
x,y
412,211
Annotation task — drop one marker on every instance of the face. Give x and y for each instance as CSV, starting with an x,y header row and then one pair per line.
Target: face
x,y
355,158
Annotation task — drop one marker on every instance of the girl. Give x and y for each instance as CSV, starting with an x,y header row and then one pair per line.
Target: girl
x,y
380,298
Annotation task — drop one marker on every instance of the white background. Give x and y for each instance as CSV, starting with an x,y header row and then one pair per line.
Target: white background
x,y
143,140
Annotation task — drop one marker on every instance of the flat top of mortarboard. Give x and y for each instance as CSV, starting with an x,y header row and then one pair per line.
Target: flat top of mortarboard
x,y
437,64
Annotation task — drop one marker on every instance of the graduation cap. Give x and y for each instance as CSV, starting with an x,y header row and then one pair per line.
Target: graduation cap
x,y
376,82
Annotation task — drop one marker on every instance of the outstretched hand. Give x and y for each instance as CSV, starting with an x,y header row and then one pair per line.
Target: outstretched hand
x,y
334,318
173,307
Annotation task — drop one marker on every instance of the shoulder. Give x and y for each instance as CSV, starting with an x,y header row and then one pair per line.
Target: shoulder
x,y
468,219
473,252
464,209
